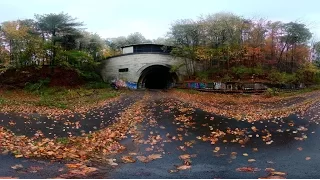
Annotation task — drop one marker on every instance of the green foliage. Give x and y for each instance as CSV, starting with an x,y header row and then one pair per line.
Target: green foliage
x,y
271,92
203,75
82,62
49,102
97,85
63,140
110,94
36,87
90,76
75,58
309,74
282,77
258,70
2,100
175,68
241,71
296,33
190,91
226,78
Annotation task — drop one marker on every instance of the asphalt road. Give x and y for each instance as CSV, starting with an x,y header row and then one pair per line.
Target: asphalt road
x,y
293,148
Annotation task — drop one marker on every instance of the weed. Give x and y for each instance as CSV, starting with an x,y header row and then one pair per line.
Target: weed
x,y
190,91
63,140
2,100
97,85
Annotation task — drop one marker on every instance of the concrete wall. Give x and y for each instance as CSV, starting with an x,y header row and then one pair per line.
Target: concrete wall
x,y
127,50
136,63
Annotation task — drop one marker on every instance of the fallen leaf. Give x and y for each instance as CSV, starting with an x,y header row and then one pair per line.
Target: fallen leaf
x,y
154,156
278,173
234,153
269,142
273,177
247,169
185,156
8,177
18,156
111,162
183,167
254,129
17,167
269,169
173,170
73,165
142,159
128,159
216,149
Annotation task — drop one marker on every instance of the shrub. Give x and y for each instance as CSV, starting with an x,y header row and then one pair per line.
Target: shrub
x,y
36,87
271,92
2,100
282,77
240,71
226,78
97,85
202,76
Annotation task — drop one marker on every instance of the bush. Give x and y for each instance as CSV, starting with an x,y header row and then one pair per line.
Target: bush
x,y
36,87
240,71
97,85
257,70
309,74
2,101
90,76
271,92
226,78
202,76
49,102
282,77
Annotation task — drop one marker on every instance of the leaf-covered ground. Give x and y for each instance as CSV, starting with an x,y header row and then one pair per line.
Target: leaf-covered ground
x,y
173,135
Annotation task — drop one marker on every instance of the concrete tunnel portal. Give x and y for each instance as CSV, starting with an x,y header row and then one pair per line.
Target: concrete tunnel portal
x,y
157,77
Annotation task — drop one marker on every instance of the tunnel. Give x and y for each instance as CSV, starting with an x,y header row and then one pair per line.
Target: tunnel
x,y
157,77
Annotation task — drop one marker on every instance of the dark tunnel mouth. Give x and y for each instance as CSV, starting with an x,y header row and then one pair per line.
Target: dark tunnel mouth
x,y
157,77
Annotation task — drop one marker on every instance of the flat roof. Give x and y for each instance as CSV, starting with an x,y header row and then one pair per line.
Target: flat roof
x,y
142,44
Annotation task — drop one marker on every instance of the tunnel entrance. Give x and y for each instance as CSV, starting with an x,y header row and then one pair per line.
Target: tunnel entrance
x,y
157,77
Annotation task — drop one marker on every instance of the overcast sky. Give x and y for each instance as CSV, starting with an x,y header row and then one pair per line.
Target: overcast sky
x,y
112,18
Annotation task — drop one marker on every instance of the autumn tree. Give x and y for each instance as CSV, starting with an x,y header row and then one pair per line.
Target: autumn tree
x,y
114,44
295,34
316,53
21,40
92,44
186,36
58,28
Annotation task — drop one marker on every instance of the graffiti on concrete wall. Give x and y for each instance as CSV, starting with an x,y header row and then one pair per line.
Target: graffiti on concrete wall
x,y
131,85
196,85
202,85
120,83
193,85
125,84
